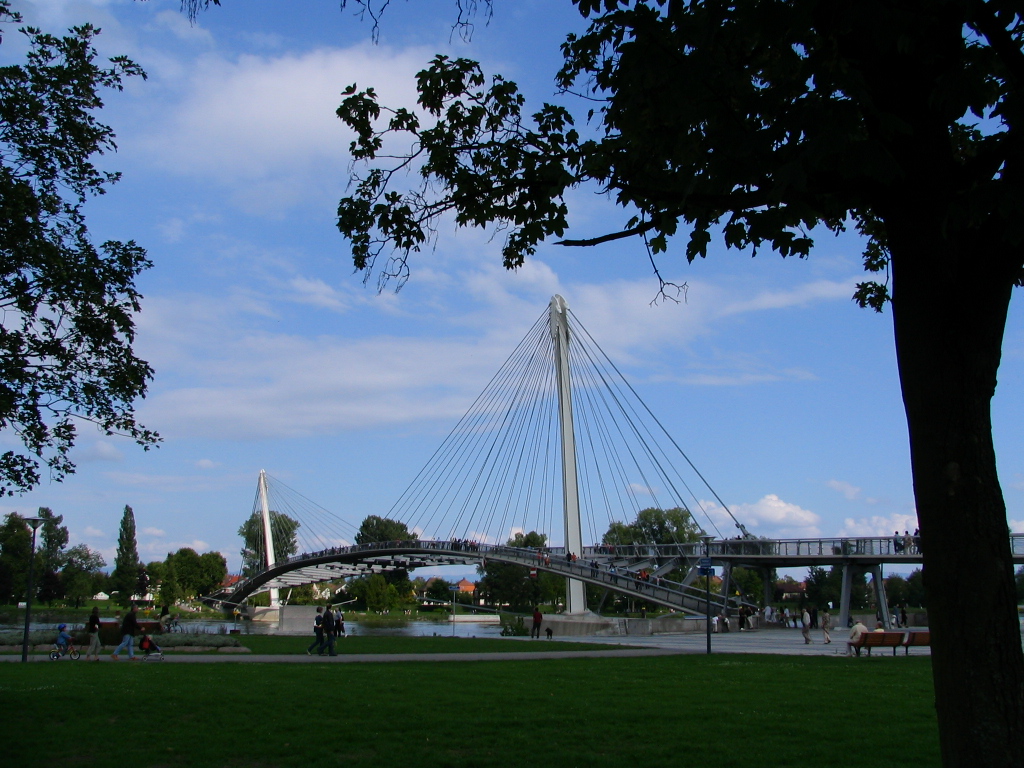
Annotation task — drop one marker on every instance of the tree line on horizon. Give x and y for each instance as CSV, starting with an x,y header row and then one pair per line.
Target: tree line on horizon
x,y
72,575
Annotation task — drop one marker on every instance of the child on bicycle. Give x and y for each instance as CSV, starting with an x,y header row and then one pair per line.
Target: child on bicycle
x,y
63,638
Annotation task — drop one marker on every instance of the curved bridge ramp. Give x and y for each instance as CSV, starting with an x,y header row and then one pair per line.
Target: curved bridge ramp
x,y
615,573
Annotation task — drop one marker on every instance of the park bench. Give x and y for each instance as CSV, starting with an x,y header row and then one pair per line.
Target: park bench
x,y
871,640
921,637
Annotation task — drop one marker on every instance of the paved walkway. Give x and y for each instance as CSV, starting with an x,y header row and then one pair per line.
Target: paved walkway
x,y
783,642
779,642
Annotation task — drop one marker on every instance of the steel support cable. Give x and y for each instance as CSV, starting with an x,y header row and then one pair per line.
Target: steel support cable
x,y
647,443
524,500
429,498
527,402
319,523
491,407
549,440
613,415
547,492
588,413
514,448
493,446
588,485
625,382
460,450
538,506
598,404
596,395
622,379
421,485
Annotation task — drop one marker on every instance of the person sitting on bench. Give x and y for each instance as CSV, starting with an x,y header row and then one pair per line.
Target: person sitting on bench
x,y
856,631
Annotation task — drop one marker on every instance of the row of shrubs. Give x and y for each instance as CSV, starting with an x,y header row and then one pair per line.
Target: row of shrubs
x,y
81,639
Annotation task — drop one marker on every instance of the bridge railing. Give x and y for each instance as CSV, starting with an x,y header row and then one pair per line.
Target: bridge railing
x,y
604,554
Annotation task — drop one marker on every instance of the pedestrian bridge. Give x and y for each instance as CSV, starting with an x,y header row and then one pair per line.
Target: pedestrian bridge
x,y
617,569
558,444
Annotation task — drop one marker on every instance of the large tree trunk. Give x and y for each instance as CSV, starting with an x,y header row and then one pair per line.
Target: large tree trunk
x,y
950,301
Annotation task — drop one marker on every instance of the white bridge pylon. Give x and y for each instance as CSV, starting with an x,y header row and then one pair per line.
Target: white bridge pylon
x,y
575,590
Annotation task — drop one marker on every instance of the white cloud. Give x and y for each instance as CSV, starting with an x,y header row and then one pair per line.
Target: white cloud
x,y
153,532
878,525
161,548
173,484
179,25
207,464
101,450
769,516
317,293
641,489
93,533
265,126
1016,526
851,492
802,295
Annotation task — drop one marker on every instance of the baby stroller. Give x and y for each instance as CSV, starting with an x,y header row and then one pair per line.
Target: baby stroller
x,y
150,649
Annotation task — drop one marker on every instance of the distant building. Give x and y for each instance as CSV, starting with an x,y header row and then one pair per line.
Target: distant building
x,y
230,581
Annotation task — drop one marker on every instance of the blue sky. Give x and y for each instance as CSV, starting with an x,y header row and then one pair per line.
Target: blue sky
x,y
270,353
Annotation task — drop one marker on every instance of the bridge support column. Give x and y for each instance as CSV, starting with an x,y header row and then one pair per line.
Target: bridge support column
x,y
726,584
268,535
849,571
768,585
575,590
880,599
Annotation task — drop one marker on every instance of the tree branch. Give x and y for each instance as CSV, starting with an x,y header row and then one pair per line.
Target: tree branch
x,y
609,237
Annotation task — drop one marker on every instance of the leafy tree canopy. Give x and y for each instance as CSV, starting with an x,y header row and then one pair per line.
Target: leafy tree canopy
x,y
376,529
125,578
66,342
53,538
654,526
528,540
284,530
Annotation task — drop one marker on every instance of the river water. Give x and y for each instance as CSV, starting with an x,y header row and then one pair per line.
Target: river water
x,y
408,629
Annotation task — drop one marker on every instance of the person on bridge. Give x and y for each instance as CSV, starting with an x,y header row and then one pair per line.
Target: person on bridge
x,y
318,632
538,617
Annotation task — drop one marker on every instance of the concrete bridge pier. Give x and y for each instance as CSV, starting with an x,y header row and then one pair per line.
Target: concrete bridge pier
x,y
850,572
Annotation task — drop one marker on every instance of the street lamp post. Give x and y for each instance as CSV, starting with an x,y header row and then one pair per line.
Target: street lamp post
x,y
706,570
35,522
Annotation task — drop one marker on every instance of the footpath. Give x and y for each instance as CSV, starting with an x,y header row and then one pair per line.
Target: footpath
x,y
780,642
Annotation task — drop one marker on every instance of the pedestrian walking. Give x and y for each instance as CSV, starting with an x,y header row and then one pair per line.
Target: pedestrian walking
x,y
329,628
538,617
129,628
805,619
92,626
826,625
318,632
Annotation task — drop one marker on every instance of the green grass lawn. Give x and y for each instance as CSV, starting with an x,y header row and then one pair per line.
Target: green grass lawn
x,y
691,710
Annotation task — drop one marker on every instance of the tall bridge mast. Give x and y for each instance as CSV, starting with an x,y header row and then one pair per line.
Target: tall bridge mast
x,y
268,534
575,590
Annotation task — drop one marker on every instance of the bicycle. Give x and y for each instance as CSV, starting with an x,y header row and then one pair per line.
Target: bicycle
x,y
59,651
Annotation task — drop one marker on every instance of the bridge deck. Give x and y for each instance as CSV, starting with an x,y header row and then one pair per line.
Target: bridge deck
x,y
611,567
